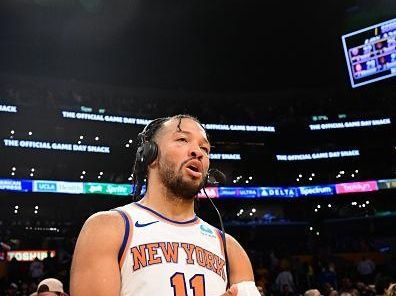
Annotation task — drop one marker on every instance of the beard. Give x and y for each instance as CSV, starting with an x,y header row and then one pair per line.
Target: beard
x,y
172,178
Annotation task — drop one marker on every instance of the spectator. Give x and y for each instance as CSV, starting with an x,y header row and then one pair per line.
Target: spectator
x,y
285,278
391,291
50,287
36,269
366,268
312,292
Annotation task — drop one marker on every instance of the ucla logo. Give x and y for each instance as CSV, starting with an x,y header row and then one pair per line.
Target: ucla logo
x,y
205,230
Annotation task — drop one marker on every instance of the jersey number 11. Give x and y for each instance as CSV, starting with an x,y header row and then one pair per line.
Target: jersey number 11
x,y
197,284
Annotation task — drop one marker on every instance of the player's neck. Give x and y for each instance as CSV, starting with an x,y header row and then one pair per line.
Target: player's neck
x,y
159,199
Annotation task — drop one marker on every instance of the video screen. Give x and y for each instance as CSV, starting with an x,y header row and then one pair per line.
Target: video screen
x,y
371,53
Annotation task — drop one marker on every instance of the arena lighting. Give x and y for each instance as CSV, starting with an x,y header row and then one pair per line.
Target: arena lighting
x,y
79,142
251,214
253,210
316,210
329,205
353,175
12,132
130,141
318,206
16,207
317,233
298,180
367,202
14,169
81,137
310,178
15,211
30,133
12,174
31,174
32,169
300,175
127,145
311,228
101,173
130,178
36,207
99,177
81,177
96,138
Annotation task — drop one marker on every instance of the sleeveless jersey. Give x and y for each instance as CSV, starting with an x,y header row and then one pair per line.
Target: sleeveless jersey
x,y
163,257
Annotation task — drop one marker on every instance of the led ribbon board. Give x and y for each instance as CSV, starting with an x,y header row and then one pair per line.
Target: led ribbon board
x,y
8,108
28,144
140,121
320,155
350,124
48,186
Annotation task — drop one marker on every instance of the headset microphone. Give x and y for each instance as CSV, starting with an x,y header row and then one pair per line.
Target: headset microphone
x,y
216,177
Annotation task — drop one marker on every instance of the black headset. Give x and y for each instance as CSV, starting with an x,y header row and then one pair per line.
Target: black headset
x,y
147,152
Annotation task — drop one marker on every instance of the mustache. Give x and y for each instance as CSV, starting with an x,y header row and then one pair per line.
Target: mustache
x,y
189,159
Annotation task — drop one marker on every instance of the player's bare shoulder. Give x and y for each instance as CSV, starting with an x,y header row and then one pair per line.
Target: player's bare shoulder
x,y
101,236
106,226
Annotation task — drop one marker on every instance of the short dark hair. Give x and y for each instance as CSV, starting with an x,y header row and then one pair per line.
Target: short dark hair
x,y
149,133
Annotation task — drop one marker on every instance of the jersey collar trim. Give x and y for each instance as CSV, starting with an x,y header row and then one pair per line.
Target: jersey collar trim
x,y
191,221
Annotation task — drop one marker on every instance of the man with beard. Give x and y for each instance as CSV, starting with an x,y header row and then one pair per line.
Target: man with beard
x,y
158,246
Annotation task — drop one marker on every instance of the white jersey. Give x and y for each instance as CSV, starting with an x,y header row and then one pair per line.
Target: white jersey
x,y
163,257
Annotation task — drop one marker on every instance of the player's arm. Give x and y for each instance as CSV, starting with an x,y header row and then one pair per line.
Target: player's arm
x,y
240,267
95,269
241,271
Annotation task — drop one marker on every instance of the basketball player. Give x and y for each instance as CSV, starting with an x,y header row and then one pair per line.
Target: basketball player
x,y
158,246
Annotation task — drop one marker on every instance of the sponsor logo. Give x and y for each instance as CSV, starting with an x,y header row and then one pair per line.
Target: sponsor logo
x,y
13,185
279,191
70,187
29,255
44,186
316,190
211,191
387,184
205,230
137,224
356,187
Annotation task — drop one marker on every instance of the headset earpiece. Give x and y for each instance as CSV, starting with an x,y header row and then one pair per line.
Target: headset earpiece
x,y
146,153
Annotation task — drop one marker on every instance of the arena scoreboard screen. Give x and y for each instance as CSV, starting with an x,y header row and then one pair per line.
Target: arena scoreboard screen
x,y
371,53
